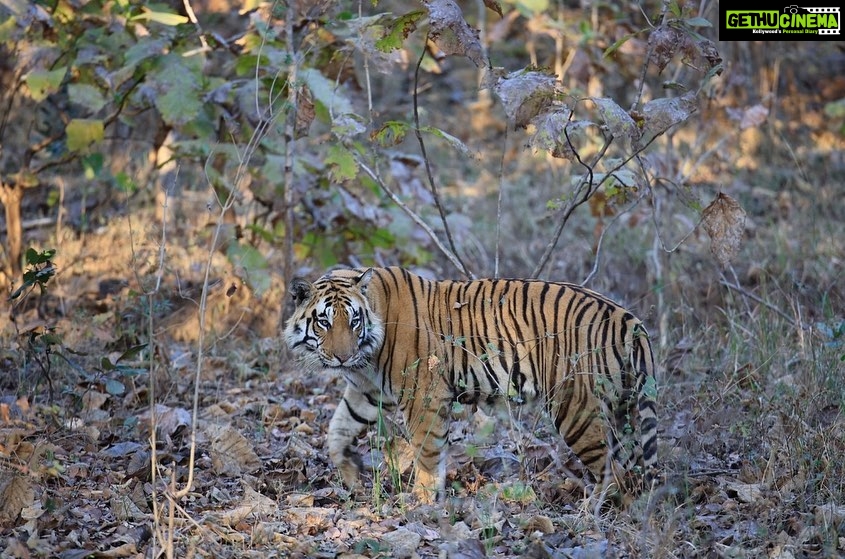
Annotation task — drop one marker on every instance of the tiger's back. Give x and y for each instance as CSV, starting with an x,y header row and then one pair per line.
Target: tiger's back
x,y
584,357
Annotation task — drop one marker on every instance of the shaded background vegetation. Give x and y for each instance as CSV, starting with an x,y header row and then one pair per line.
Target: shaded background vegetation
x,y
175,165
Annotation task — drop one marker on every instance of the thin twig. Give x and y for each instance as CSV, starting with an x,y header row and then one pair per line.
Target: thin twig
x,y
597,259
193,17
499,203
456,259
290,145
412,214
225,205
367,80
655,215
167,541
649,50
746,293
574,202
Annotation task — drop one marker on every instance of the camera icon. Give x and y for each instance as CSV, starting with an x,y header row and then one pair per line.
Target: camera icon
x,y
792,9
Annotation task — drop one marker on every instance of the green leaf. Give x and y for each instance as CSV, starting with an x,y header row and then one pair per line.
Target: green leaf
x,y
246,64
519,492
266,235
254,263
87,96
145,48
675,8
619,42
40,271
33,257
391,133
9,30
42,83
398,30
83,132
452,140
178,86
131,352
698,22
342,163
650,388
160,16
325,92
92,164
714,71
246,256
52,339
835,109
124,183
529,8
115,387
381,238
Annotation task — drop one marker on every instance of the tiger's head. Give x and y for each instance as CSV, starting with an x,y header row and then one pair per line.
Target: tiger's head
x,y
333,324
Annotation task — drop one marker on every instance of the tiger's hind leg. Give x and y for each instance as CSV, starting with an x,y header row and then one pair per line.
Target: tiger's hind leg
x,y
354,414
586,432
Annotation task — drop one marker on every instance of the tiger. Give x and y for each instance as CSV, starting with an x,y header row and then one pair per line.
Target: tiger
x,y
417,345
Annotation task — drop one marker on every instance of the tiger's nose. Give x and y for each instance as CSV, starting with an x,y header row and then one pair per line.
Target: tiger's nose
x,y
345,356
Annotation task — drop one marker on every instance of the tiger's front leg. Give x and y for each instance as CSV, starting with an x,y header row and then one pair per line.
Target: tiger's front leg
x,y
429,427
354,414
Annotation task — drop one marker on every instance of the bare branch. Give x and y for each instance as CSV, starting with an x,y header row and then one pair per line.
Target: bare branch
x,y
664,9
746,293
290,145
455,259
193,17
595,269
586,181
499,203
574,202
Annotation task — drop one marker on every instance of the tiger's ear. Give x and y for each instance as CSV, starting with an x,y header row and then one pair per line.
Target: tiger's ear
x,y
364,280
300,290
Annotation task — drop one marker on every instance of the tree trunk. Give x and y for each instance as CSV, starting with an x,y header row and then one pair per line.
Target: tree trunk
x,y
11,196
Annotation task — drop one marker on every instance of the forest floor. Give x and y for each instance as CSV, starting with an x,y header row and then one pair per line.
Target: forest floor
x,y
751,374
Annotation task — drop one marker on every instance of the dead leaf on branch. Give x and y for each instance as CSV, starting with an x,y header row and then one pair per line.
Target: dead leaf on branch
x,y
556,133
495,6
450,31
659,115
667,40
525,94
617,119
305,113
707,49
724,222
